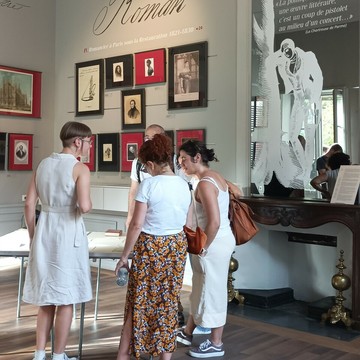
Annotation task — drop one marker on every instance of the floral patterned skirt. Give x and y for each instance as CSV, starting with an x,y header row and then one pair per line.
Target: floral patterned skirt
x,y
155,281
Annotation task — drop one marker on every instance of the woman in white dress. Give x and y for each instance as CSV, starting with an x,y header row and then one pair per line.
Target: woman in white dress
x,y
208,299
58,273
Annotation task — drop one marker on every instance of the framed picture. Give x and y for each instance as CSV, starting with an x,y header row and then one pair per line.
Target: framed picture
x,y
133,109
108,152
130,145
89,159
24,92
89,88
185,135
20,152
119,71
188,69
3,147
150,67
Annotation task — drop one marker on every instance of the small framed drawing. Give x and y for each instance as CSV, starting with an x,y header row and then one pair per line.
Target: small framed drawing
x,y
3,147
130,145
108,152
89,158
119,71
133,109
27,101
185,135
89,79
20,152
188,71
150,67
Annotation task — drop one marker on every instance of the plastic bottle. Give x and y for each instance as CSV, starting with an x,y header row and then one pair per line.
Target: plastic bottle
x,y
122,277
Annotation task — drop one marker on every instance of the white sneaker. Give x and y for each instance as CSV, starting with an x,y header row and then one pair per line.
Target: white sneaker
x,y
199,330
63,357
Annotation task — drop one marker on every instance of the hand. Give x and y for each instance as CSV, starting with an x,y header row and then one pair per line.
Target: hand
x,y
123,262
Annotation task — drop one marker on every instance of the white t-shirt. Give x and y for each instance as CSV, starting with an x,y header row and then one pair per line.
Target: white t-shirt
x,y
168,199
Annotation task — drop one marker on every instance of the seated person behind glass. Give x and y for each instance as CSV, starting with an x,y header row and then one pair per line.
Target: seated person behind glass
x,y
330,176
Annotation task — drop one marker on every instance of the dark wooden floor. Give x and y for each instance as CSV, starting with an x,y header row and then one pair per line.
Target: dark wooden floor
x,y
243,338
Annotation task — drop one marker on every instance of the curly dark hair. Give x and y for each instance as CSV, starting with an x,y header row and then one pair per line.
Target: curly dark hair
x,y
158,150
193,147
338,159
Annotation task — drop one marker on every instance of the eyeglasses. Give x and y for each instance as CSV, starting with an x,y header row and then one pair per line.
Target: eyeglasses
x,y
88,141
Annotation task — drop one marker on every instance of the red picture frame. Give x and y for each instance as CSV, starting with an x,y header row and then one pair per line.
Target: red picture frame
x,y
20,152
27,84
184,135
150,67
130,145
89,159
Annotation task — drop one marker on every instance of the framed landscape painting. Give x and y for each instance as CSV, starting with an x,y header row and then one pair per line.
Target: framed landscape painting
x,y
24,92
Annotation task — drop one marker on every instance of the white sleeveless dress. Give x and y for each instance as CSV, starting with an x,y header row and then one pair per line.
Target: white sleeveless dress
x,y
209,297
58,271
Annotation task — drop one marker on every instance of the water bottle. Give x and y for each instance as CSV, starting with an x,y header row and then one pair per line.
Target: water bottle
x,y
122,277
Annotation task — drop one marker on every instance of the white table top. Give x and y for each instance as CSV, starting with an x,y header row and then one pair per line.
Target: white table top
x,y
16,243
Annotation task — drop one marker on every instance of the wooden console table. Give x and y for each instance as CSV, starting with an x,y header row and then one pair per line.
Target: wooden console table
x,y
302,213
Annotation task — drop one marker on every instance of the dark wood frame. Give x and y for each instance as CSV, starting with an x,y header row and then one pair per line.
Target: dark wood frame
x,y
29,82
113,163
126,80
3,150
89,161
20,163
158,58
89,76
184,135
130,139
178,96
126,97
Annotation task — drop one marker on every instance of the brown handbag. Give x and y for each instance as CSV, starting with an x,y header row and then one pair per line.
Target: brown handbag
x,y
240,216
195,239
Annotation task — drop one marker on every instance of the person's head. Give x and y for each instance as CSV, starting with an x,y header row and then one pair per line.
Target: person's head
x,y
338,159
335,148
118,69
153,129
132,103
193,152
158,150
287,47
73,130
148,62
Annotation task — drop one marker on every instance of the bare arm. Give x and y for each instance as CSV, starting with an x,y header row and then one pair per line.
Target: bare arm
x,y
208,195
82,179
132,234
316,184
30,206
134,186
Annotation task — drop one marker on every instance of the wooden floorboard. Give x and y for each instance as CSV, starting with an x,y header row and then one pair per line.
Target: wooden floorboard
x,y
243,338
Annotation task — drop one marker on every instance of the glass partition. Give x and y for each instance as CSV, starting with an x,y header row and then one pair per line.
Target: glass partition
x,y
305,80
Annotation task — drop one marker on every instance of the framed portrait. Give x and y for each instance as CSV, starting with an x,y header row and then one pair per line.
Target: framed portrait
x,y
24,92
185,135
108,152
130,145
119,71
150,67
133,109
20,152
89,158
3,148
188,71
89,79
